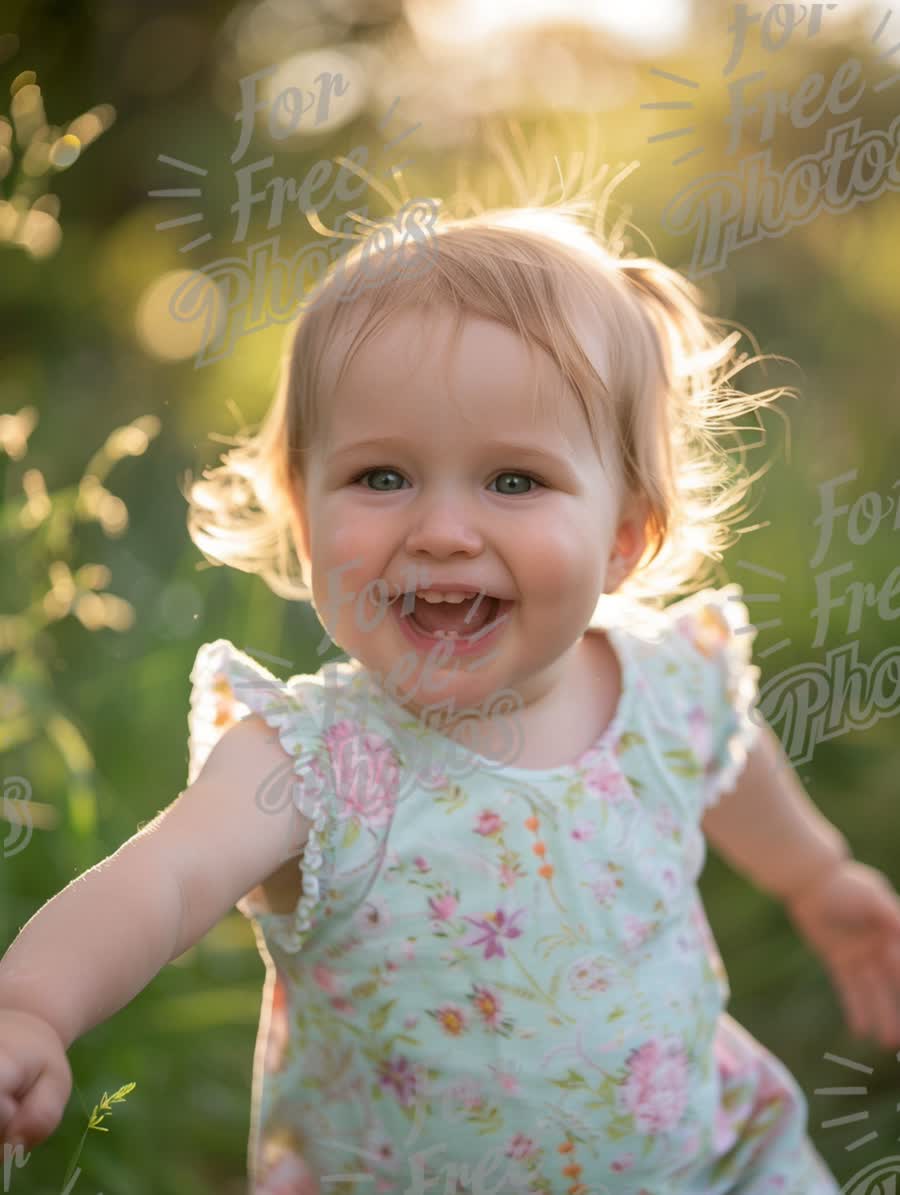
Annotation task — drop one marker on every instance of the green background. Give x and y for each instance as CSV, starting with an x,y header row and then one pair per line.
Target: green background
x,y
95,718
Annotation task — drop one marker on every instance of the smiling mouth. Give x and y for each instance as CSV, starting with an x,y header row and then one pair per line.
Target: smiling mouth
x,y
492,613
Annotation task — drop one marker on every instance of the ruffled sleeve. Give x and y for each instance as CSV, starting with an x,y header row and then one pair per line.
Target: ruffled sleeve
x,y
717,635
227,685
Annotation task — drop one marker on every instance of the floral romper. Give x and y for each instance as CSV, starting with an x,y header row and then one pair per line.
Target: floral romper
x,y
502,979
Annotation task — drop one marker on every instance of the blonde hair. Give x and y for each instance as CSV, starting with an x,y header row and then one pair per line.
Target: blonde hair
x,y
648,368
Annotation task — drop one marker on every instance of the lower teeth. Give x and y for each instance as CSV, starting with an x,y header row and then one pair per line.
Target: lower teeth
x,y
439,634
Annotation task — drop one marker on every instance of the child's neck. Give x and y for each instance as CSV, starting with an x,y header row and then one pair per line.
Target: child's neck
x,y
557,727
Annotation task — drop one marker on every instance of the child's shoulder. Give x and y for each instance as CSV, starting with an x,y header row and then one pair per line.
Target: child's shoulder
x,y
698,648
713,622
710,623
699,653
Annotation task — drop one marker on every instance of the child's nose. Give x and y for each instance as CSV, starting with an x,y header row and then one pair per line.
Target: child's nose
x,y
442,523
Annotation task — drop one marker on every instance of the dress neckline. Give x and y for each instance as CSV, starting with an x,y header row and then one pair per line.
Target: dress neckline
x,y
616,636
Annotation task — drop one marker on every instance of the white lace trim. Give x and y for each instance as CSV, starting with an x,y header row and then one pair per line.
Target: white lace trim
x,y
253,689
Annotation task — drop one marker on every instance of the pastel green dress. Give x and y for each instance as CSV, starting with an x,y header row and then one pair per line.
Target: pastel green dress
x,y
502,979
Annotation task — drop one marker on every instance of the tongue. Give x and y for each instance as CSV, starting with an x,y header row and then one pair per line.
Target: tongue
x,y
451,616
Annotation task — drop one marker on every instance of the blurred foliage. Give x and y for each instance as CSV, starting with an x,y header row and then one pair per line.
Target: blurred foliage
x,y
94,706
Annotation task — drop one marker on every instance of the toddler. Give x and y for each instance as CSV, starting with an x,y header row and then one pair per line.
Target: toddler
x,y
470,847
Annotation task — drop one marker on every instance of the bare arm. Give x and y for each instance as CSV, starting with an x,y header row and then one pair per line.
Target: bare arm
x,y
768,828
96,944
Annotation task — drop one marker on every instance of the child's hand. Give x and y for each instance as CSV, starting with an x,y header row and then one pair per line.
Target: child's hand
x,y
851,918
35,1078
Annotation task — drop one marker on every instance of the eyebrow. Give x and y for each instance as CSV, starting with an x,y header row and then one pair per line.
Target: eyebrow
x,y
509,447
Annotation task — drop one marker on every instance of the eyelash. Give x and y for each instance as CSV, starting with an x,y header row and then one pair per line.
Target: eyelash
x,y
505,473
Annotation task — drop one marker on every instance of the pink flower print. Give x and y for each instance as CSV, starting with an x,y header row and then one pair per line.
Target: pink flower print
x,y
327,980
655,1092
489,823
586,975
508,875
365,771
341,1004
506,1079
491,928
636,930
410,1022
442,907
664,880
584,831
409,950
603,888
487,1004
468,1092
625,1162
451,1018
605,778
434,778
286,1175
372,917
520,1146
700,734
398,1076
421,863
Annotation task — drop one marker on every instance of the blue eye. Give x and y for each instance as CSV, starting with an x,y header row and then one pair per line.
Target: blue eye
x,y
384,471
375,472
521,477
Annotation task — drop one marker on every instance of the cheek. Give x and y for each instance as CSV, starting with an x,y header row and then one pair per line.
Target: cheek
x,y
349,554
558,555
344,533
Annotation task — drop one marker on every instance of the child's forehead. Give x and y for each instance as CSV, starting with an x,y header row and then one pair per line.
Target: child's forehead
x,y
431,360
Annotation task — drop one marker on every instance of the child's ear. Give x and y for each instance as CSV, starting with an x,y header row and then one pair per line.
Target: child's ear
x,y
629,543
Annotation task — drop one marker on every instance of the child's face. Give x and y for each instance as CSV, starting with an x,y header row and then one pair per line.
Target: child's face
x,y
441,507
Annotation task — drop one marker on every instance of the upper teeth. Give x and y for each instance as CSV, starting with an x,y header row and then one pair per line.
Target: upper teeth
x,y
434,595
